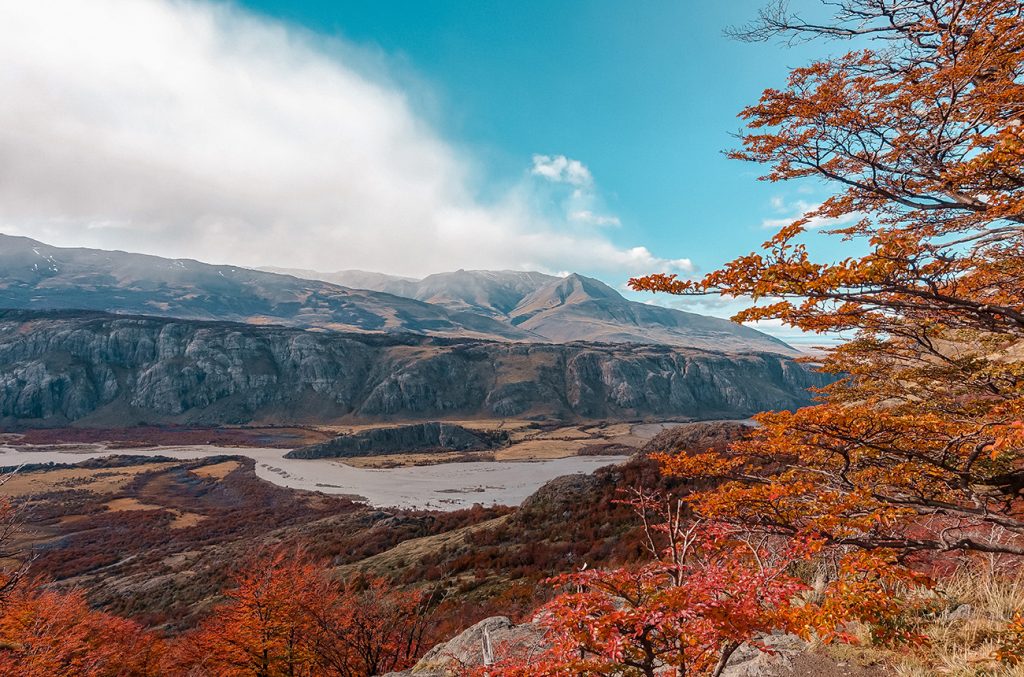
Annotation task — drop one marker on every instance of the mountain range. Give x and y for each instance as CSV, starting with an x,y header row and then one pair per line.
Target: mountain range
x,y
492,305
38,276
560,309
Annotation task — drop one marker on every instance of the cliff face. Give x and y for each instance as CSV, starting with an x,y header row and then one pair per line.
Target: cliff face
x,y
94,368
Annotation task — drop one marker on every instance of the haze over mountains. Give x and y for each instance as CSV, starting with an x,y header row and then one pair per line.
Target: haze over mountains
x,y
562,309
494,305
38,276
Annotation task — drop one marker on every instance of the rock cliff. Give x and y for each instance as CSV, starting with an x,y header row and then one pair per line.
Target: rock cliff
x,y
94,368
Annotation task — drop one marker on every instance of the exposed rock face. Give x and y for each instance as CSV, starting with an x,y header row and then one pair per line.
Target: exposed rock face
x,y
420,437
96,368
696,437
497,636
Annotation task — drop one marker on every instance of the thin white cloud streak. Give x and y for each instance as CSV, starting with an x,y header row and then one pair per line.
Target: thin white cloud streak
x,y
190,129
587,216
797,210
727,307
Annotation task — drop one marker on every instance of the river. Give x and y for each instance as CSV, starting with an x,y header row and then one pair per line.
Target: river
x,y
445,486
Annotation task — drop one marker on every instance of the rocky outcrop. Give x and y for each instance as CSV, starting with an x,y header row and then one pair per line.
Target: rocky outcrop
x,y
497,638
696,437
75,366
560,495
492,639
420,437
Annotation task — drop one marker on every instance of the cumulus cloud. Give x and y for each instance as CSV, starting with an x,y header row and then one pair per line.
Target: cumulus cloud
x,y
186,128
582,203
561,169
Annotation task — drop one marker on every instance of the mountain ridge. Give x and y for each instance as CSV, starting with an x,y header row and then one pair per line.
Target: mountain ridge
x,y
34,275
522,306
565,309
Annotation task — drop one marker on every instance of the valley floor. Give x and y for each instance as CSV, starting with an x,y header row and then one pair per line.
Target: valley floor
x,y
434,480
439,486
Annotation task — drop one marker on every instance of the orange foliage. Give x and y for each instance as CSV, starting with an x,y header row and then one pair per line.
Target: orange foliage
x,y
44,633
1011,648
51,634
708,591
920,445
286,616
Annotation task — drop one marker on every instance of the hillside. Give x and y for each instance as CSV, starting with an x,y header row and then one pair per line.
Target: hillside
x,y
569,308
573,308
34,275
101,369
156,538
494,293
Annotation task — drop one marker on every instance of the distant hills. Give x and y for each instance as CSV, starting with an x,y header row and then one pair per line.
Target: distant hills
x,y
562,309
38,276
495,293
495,305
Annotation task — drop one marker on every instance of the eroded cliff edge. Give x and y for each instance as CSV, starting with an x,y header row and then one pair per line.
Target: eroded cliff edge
x,y
93,368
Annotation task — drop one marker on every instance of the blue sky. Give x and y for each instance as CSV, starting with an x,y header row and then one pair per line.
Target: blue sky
x,y
645,94
401,136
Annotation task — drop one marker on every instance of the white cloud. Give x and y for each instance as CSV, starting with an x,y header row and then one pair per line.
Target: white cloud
x,y
184,128
587,216
581,204
561,169
726,307
797,209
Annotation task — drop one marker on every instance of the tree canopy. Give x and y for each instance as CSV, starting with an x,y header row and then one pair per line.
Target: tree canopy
x,y
920,132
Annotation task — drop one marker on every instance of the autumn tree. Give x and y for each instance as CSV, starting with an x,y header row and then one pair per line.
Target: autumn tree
x,y
918,130
49,633
46,633
286,616
374,629
266,627
707,590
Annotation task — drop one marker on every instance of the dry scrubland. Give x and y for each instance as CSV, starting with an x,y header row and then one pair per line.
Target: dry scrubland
x,y
158,540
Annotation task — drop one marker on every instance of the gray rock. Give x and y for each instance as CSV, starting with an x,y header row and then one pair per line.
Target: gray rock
x,y
961,613
58,367
497,637
419,437
750,661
